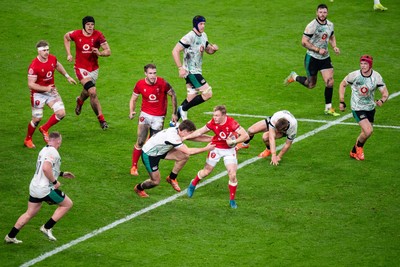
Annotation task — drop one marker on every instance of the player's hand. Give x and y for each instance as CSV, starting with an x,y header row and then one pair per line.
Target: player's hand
x,y
210,146
96,51
379,103
70,58
342,106
215,47
174,118
71,80
57,185
182,73
274,160
69,175
337,50
132,115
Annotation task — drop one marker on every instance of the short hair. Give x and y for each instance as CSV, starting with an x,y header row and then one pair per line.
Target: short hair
x,y
322,6
149,66
42,43
282,125
187,125
54,135
221,108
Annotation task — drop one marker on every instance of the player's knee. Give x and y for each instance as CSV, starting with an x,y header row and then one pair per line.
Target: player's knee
x,y
207,93
311,85
37,113
329,83
369,132
60,114
140,142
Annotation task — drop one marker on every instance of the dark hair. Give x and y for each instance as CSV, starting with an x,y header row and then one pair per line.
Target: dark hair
x,y
322,6
221,108
54,135
149,66
282,125
187,125
42,43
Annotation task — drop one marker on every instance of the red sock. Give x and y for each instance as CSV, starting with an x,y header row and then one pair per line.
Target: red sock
x,y
232,191
196,180
31,130
52,120
100,118
79,101
136,156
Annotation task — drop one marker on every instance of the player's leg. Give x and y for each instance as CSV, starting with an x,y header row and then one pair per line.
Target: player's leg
x,y
59,113
199,91
267,150
231,167
33,209
32,125
142,133
327,75
366,132
64,204
180,161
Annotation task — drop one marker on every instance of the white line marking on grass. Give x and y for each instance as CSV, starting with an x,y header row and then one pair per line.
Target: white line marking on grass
x,y
173,197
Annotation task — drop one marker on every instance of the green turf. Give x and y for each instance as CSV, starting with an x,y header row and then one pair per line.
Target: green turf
x,y
317,208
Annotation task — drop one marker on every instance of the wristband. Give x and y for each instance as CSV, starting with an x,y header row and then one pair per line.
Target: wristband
x,y
55,182
61,174
66,75
381,101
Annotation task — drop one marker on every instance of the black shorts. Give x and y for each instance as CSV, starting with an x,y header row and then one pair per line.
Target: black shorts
x,y
150,162
314,65
54,197
360,115
196,80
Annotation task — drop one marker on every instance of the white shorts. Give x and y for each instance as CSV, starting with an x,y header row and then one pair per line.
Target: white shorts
x,y
38,100
156,122
82,74
229,155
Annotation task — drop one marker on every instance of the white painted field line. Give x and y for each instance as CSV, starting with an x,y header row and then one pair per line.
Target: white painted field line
x,y
173,197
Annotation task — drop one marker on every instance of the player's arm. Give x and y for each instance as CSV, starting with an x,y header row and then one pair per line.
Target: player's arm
x,y
202,138
172,94
385,95
132,105
194,150
197,133
67,45
272,145
48,172
285,148
211,48
305,41
60,68
106,50
176,54
332,41
342,89
34,86
242,136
